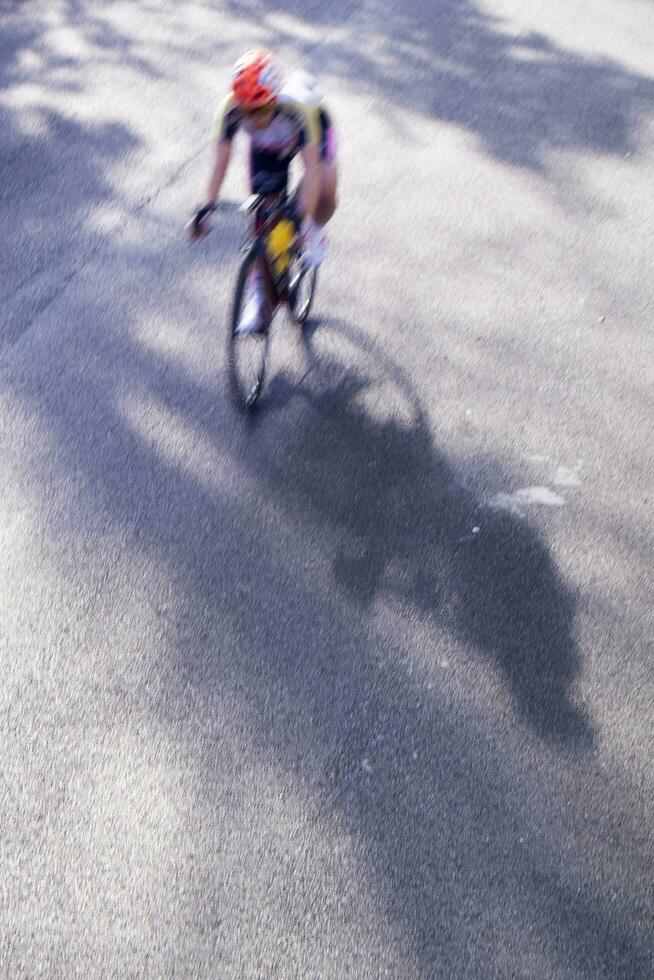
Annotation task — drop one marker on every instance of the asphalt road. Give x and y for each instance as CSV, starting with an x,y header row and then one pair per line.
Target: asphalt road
x,y
366,688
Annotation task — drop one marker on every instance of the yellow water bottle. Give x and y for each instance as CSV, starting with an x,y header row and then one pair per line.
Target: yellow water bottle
x,y
278,246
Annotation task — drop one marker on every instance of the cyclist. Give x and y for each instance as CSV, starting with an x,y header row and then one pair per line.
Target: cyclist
x,y
281,120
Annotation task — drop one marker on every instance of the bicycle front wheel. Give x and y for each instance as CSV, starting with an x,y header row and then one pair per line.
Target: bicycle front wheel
x,y
248,351
301,291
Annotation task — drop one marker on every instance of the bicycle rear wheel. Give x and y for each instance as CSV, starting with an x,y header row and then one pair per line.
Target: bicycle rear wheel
x,y
301,292
248,352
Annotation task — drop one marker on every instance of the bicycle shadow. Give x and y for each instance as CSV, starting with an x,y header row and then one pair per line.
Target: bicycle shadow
x,y
400,523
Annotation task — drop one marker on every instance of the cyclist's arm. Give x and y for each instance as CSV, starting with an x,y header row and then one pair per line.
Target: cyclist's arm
x,y
221,161
225,125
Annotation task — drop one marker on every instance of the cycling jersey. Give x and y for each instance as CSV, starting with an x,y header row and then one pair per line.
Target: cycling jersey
x,y
294,125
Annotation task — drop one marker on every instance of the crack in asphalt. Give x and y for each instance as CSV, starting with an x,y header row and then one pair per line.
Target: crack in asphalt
x,y
9,341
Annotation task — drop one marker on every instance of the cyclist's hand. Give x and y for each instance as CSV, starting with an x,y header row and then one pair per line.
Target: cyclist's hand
x,y
198,226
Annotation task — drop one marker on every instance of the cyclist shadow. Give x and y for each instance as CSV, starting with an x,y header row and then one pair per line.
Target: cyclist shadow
x,y
399,525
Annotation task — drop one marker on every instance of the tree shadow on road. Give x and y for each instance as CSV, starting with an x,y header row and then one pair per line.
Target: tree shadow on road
x,y
45,227
523,96
435,805
433,795
32,52
465,849
402,527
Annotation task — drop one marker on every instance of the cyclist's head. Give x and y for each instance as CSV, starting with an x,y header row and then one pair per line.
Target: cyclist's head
x,y
255,80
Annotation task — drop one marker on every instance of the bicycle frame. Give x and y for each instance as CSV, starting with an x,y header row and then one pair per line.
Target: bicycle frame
x,y
276,288
274,249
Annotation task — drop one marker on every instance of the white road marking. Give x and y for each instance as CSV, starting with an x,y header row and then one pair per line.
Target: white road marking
x,y
566,476
526,497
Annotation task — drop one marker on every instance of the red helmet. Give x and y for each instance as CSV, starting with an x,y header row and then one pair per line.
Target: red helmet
x,y
255,79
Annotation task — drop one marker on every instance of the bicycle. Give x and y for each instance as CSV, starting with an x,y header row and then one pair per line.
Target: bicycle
x,y
274,244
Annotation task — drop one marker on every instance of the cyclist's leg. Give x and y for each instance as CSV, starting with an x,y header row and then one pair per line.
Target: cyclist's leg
x,y
268,176
328,172
328,186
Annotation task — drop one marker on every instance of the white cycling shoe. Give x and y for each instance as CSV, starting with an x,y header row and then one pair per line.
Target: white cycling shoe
x,y
314,244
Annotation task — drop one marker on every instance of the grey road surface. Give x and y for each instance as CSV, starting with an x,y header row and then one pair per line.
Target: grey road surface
x,y
365,688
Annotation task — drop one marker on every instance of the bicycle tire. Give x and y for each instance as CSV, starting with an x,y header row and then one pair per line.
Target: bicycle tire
x,y
248,352
301,293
